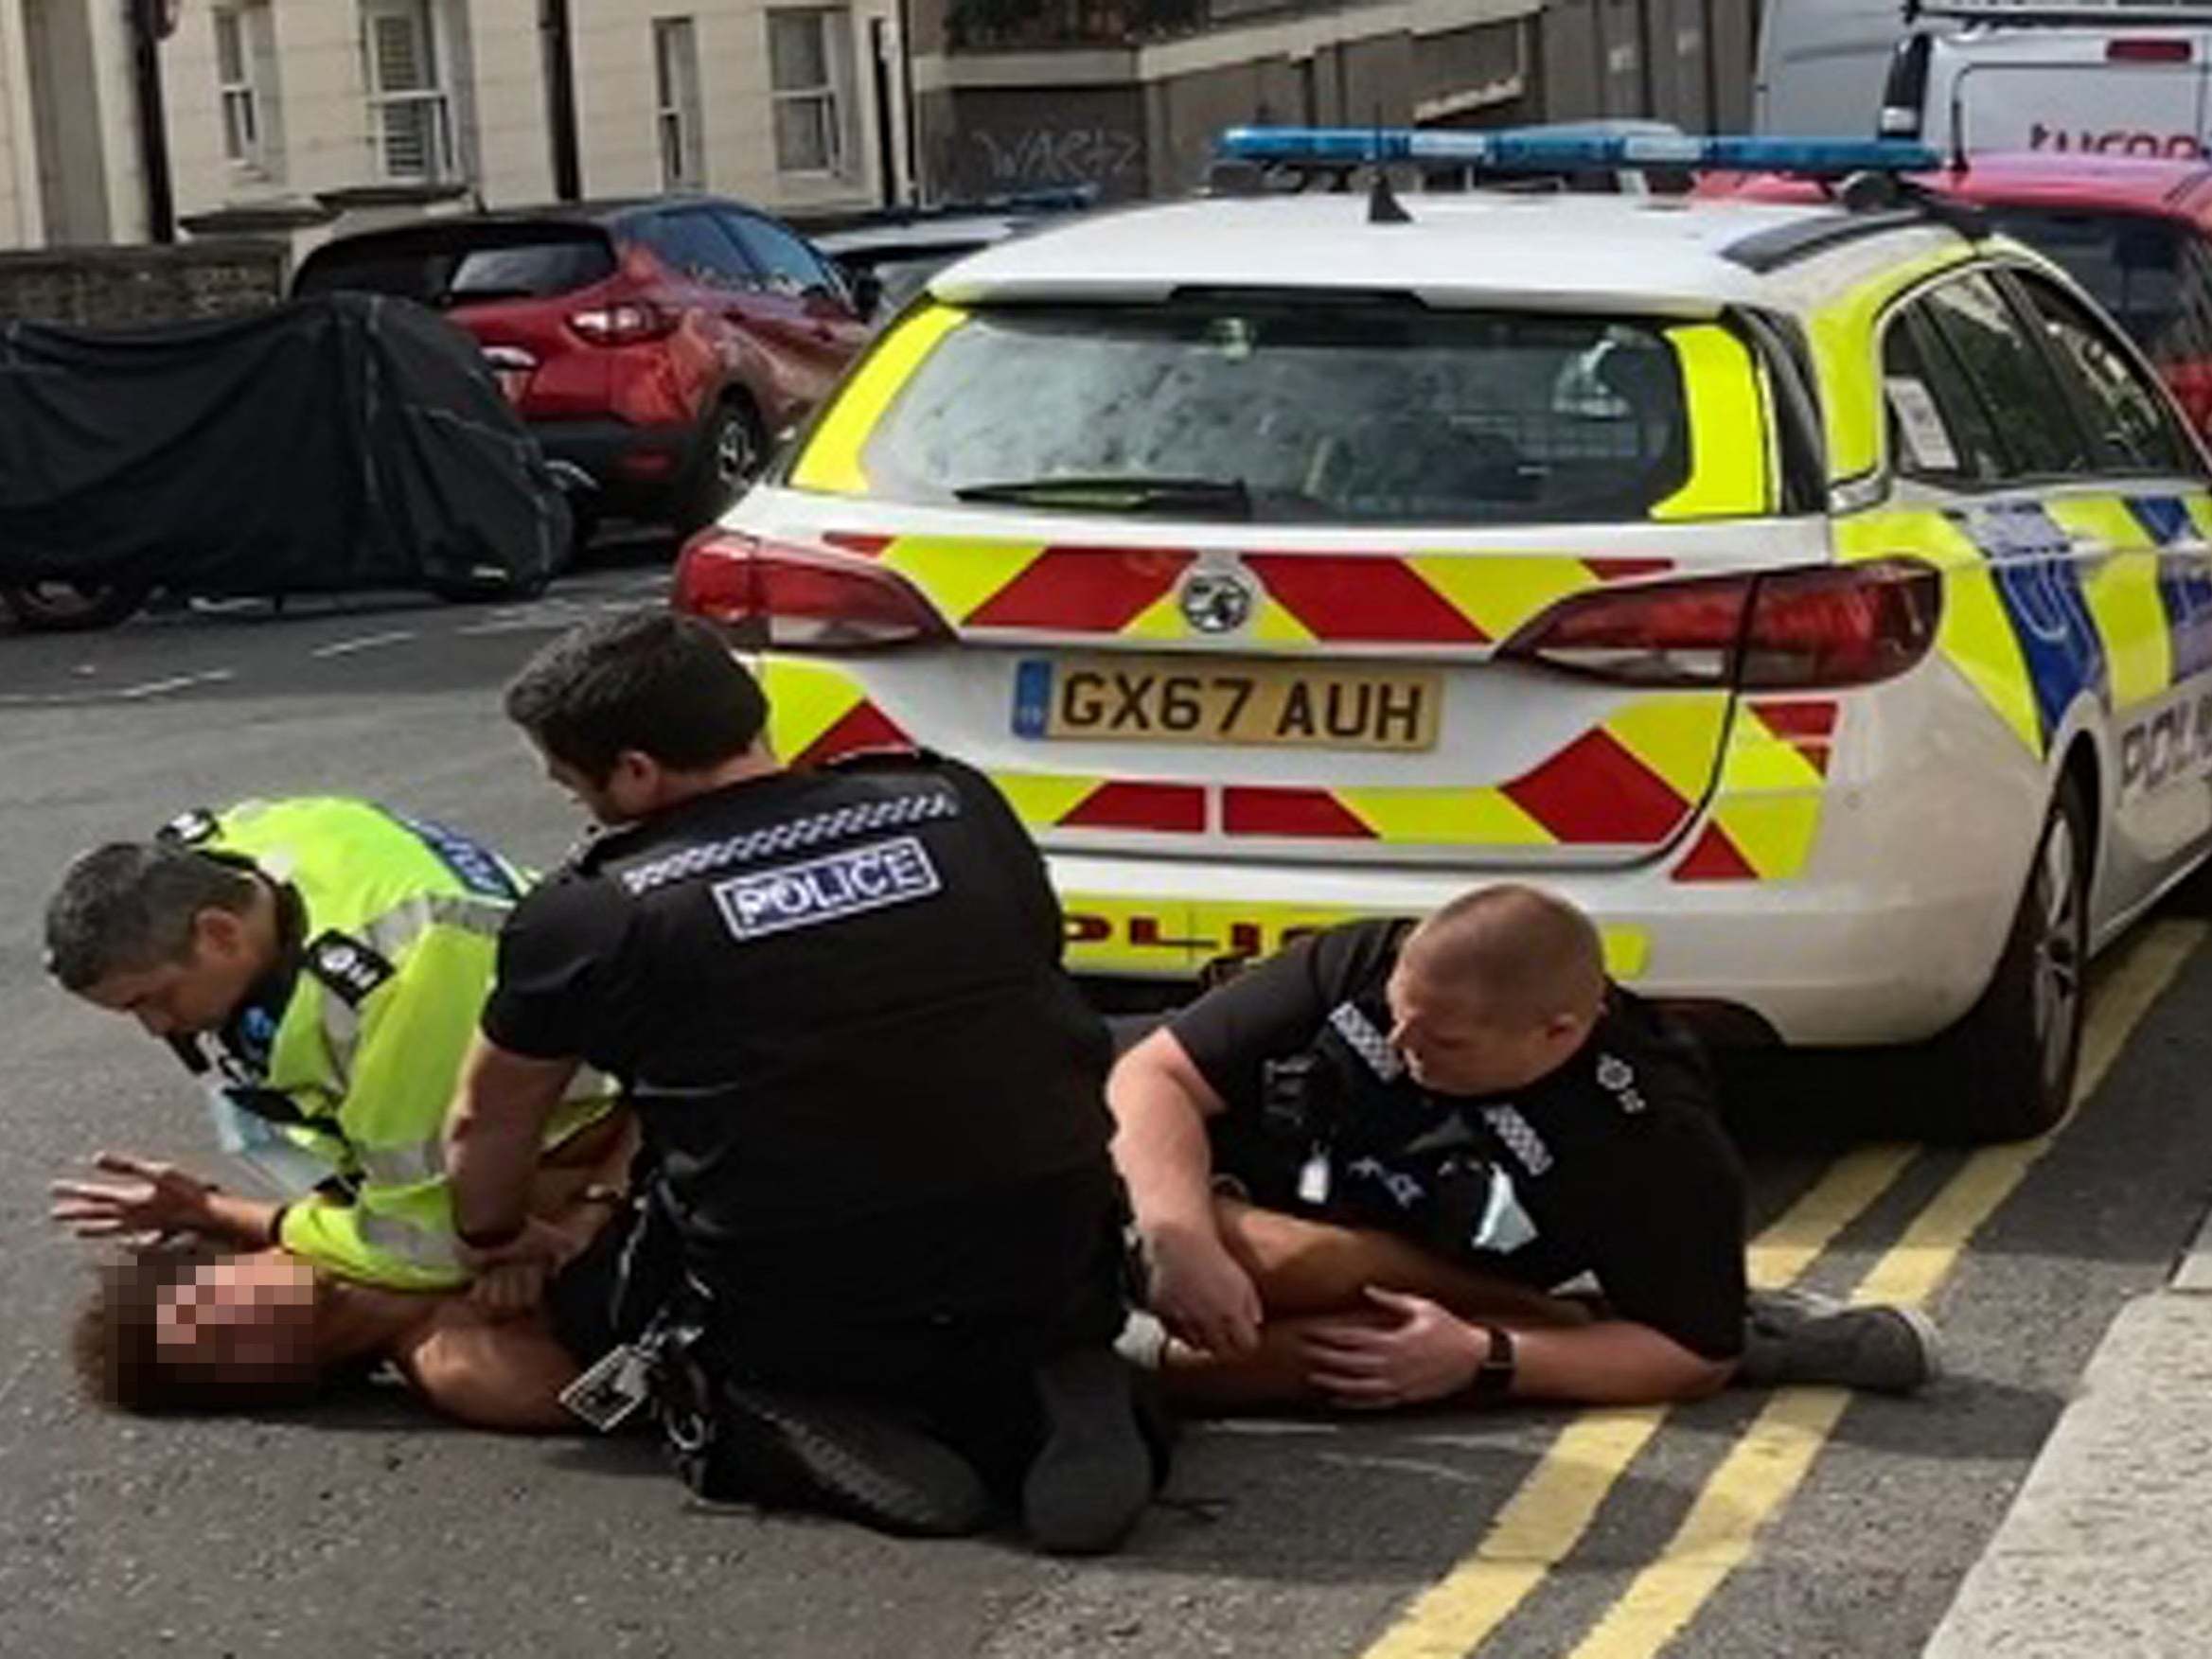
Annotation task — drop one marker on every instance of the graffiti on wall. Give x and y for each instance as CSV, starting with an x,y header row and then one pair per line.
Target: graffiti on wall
x,y
1023,157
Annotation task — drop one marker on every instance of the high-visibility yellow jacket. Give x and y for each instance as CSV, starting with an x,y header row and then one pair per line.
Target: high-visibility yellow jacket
x,y
401,920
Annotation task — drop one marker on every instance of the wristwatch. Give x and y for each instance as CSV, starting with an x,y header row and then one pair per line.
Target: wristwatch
x,y
1494,1377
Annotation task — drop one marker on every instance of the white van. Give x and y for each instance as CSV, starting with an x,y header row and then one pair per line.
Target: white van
x,y
2085,77
1823,64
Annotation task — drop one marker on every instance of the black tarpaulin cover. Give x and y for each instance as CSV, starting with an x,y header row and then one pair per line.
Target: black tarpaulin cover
x,y
343,441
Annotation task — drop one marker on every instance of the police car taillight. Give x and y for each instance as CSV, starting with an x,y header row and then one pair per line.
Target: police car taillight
x,y
1825,625
775,595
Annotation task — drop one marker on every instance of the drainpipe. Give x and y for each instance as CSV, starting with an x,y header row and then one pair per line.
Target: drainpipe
x,y
560,99
148,22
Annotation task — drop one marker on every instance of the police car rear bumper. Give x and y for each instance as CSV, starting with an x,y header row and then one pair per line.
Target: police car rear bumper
x,y
1846,961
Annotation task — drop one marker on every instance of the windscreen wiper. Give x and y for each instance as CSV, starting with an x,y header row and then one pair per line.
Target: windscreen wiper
x,y
1223,497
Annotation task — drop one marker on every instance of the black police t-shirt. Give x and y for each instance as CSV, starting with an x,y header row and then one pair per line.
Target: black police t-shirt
x,y
1615,1164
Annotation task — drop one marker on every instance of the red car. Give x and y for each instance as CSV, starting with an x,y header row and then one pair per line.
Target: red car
x,y
658,346
2135,233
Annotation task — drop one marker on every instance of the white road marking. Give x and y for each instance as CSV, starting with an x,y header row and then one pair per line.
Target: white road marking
x,y
155,688
366,642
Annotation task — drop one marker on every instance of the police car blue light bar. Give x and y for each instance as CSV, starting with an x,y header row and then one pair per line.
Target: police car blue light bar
x,y
1506,150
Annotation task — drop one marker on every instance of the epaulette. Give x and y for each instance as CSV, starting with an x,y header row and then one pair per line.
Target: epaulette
x,y
883,755
349,968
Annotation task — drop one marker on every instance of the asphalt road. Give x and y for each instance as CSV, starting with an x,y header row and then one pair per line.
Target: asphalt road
x,y
1802,1522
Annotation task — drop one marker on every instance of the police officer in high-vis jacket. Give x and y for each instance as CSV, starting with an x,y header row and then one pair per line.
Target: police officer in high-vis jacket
x,y
321,964
871,1100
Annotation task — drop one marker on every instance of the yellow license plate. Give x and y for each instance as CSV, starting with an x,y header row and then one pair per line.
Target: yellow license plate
x,y
1174,700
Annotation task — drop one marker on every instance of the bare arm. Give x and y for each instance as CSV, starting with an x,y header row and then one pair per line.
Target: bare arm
x,y
490,1372
493,1134
1414,1349
1612,1363
159,1198
1161,1103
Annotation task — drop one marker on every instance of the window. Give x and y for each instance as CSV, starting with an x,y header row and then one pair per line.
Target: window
x,y
1293,413
677,103
692,245
1938,430
2127,416
2038,431
411,130
786,263
808,58
235,89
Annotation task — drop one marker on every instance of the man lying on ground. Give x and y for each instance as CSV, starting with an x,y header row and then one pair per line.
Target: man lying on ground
x,y
1359,1169
216,1317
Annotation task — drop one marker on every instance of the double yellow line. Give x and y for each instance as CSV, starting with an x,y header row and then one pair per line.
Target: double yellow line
x,y
1546,1517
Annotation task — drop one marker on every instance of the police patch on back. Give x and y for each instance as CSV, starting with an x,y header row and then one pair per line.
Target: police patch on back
x,y
828,889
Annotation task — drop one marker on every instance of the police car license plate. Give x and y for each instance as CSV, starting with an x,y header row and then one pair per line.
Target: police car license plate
x,y
1154,700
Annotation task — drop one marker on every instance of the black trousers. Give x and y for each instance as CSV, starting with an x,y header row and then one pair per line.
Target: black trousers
x,y
990,1288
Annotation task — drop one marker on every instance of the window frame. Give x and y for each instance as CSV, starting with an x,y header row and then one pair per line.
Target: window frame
x,y
2016,475
442,162
744,276
832,93
1926,338
679,103
244,92
2017,280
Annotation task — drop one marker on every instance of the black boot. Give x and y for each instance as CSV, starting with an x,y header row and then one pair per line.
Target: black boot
x,y
784,1450
1095,1473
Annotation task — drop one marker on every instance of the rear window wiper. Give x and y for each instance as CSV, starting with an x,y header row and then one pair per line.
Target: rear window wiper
x,y
1227,497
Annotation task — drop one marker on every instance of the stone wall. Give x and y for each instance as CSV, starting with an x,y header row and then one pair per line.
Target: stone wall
x,y
116,287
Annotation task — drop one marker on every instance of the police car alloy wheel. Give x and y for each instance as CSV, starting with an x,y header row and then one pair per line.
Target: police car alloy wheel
x,y
2007,1070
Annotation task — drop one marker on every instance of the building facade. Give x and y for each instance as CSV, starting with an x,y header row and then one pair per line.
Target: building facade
x,y
1126,96
298,115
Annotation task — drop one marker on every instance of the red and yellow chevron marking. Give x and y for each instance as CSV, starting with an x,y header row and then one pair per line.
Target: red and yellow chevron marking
x,y
1446,599
816,712
1766,806
1629,782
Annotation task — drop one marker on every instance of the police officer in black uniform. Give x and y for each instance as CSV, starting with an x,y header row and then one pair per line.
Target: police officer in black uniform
x,y
1359,1168
871,1104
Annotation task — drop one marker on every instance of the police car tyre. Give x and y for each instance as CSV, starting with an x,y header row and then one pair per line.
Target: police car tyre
x,y
74,607
729,456
2006,1070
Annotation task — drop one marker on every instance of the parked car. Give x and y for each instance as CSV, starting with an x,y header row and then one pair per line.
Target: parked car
x,y
887,255
335,443
1294,559
658,346
2135,233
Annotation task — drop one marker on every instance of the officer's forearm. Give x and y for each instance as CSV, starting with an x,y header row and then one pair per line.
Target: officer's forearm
x,y
1160,1141
493,1133
249,1222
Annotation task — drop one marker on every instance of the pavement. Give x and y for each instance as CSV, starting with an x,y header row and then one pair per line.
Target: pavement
x,y
2105,1548
1803,1522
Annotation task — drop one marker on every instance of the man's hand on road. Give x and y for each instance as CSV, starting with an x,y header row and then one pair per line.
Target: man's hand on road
x,y
158,1198
1199,1293
1416,1352
510,1280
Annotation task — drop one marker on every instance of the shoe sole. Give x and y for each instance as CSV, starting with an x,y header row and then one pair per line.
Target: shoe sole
x,y
868,1468
1092,1480
1931,1342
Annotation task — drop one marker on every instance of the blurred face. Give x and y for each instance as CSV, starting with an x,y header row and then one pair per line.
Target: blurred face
x,y
242,1320
196,993
1455,1043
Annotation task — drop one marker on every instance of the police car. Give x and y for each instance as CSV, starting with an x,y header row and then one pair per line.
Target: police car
x,y
1818,595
